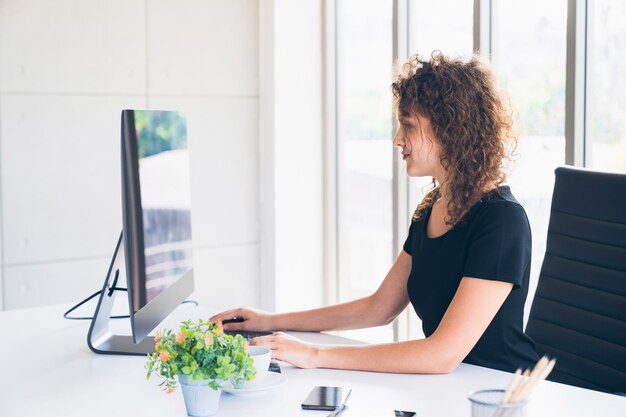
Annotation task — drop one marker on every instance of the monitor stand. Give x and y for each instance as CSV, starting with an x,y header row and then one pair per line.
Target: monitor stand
x,y
100,338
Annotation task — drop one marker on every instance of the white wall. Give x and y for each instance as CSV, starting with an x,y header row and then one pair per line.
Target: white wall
x,y
67,68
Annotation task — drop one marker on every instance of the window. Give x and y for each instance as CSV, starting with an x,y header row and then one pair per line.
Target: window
x,y
364,150
529,45
528,42
606,105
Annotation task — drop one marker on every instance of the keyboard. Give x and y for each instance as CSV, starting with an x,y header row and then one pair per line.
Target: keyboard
x,y
248,335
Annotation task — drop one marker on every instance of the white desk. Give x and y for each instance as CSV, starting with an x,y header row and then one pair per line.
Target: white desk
x,y
48,370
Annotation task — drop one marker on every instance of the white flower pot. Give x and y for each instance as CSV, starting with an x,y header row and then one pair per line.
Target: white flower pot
x,y
200,399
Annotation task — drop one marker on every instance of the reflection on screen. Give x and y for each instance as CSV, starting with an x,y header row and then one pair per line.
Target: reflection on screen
x,y
165,197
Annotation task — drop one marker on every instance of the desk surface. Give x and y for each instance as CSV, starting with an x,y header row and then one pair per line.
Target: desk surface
x,y
48,370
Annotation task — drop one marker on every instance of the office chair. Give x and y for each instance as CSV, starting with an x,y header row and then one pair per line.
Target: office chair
x,y
578,314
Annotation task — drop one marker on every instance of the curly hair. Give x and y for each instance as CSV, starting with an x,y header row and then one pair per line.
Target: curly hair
x,y
470,120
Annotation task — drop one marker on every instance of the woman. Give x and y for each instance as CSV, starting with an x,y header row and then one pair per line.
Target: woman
x,y
466,262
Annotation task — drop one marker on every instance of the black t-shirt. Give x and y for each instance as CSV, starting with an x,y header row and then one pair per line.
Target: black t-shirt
x,y
492,241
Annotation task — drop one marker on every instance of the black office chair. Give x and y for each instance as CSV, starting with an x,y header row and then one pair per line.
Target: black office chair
x,y
578,314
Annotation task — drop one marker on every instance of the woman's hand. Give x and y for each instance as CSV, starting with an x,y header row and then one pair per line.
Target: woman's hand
x,y
289,349
253,319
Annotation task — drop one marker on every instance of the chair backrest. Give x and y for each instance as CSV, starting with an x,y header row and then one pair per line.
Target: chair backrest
x,y
578,314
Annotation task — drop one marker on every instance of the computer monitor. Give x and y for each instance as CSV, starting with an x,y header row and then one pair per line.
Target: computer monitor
x,y
154,251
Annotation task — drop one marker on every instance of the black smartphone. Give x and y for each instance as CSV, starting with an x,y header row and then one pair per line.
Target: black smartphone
x,y
325,398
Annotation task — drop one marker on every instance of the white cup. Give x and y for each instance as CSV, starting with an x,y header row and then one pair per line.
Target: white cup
x,y
261,357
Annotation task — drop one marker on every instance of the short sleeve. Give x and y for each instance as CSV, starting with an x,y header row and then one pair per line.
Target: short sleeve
x,y
408,243
500,244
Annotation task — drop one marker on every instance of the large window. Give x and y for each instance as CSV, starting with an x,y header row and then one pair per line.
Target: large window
x,y
606,103
364,149
529,45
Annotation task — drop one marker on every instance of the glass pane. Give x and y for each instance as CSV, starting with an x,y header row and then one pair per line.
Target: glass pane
x,y
364,64
529,43
606,104
433,27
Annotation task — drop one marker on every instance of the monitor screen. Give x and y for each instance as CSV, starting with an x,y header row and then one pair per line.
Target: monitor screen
x,y
157,212
165,199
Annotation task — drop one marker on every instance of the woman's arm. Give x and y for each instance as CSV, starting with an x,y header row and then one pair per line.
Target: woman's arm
x,y
375,310
473,307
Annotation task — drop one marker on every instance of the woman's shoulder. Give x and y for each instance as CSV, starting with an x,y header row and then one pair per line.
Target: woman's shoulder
x,y
501,195
423,217
500,205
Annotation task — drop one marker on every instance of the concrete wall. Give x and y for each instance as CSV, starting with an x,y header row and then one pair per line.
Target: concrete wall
x,y
67,68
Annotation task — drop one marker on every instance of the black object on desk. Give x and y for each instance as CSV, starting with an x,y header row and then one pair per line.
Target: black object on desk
x,y
326,398
400,413
247,334
274,367
233,320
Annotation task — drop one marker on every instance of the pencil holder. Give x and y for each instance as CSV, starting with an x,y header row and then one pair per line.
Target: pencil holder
x,y
487,403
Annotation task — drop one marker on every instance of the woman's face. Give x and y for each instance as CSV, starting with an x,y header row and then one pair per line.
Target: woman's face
x,y
419,147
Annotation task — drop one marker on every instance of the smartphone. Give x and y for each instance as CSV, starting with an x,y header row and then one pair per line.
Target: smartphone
x,y
325,398
400,413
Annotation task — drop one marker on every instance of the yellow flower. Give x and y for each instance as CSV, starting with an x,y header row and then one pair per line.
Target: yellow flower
x,y
165,356
220,328
157,347
157,336
246,345
208,339
180,337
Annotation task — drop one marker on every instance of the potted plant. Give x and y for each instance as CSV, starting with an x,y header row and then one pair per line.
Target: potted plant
x,y
201,357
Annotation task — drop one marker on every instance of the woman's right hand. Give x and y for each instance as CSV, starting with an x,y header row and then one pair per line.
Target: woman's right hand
x,y
253,319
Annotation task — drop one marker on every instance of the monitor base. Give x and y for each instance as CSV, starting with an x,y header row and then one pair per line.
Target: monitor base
x,y
100,338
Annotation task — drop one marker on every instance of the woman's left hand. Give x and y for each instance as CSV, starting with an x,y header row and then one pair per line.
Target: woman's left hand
x,y
289,349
